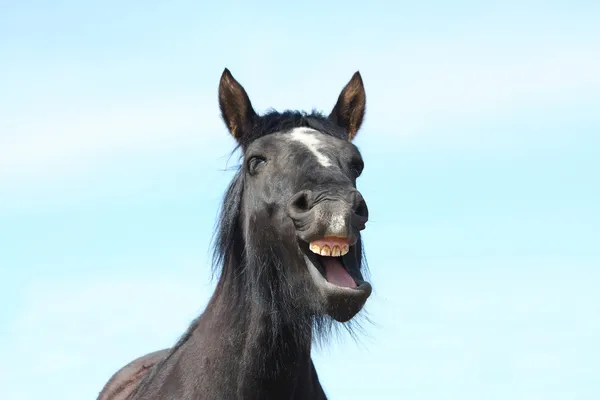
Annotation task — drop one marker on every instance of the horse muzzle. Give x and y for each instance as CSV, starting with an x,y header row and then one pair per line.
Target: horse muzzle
x,y
341,214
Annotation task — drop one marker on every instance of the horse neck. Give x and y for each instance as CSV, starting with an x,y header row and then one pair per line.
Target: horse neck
x,y
271,350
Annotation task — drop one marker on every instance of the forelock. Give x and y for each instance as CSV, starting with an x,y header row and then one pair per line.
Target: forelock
x,y
274,121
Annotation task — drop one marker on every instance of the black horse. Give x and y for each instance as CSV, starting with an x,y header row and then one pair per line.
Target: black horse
x,y
289,247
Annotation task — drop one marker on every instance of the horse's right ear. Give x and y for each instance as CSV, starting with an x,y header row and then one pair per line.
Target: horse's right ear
x,y
236,109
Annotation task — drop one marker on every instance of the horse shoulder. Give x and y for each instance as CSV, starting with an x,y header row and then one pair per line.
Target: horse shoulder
x,y
122,383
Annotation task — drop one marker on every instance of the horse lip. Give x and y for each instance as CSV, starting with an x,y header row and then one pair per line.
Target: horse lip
x,y
309,227
351,239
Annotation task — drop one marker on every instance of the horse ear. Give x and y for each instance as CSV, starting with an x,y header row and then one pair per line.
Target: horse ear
x,y
236,109
349,111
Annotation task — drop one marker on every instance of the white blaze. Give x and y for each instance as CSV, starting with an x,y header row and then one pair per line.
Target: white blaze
x,y
309,138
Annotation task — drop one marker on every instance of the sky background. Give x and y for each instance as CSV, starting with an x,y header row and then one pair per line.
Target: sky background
x,y
481,145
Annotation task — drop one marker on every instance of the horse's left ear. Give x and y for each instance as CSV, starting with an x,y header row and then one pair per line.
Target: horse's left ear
x,y
236,109
349,111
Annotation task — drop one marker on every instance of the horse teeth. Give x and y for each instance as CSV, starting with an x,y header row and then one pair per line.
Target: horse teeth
x,y
329,250
315,248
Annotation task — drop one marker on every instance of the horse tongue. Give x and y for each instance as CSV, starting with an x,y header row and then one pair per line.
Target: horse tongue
x,y
336,273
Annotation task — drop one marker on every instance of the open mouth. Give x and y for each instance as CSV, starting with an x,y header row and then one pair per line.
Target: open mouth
x,y
333,265
329,256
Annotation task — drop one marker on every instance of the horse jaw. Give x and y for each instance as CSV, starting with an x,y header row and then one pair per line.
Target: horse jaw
x,y
342,303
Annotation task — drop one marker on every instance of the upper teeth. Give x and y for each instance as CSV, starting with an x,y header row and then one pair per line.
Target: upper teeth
x,y
328,250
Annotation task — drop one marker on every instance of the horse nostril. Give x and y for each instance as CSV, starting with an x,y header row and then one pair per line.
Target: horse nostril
x,y
300,203
360,206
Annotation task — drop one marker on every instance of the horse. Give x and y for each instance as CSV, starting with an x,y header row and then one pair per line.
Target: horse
x,y
288,243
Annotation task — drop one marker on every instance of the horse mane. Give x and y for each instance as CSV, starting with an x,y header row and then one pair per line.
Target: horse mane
x,y
274,121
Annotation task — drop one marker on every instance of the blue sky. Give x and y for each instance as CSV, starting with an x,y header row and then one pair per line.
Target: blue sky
x,y
481,148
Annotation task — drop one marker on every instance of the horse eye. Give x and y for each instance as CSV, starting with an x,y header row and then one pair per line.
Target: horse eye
x,y
253,163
